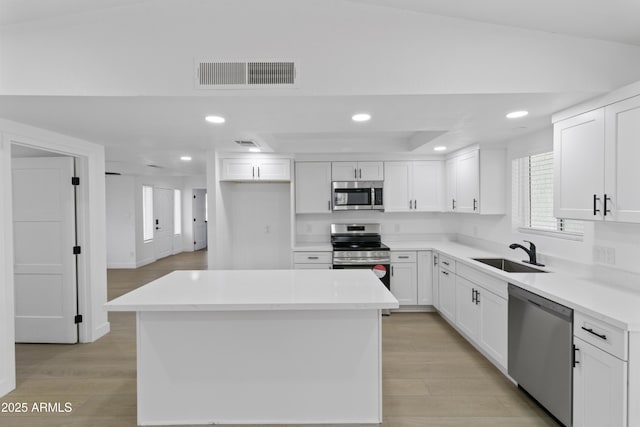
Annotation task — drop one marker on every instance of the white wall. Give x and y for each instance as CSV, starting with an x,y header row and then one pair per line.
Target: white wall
x,y
339,44
121,230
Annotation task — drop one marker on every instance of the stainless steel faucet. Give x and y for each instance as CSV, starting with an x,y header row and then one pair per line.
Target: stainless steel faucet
x,y
531,252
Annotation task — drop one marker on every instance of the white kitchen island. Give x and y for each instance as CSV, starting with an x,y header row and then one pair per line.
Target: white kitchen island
x,y
259,346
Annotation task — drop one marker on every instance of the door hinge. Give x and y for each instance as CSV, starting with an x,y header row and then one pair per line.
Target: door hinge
x,y
194,196
76,250
194,243
78,318
75,180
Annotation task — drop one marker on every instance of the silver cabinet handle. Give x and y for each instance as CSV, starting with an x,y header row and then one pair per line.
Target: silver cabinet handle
x,y
453,204
329,204
360,171
415,204
253,171
392,270
403,257
409,204
312,257
445,273
258,171
355,173
475,204
445,262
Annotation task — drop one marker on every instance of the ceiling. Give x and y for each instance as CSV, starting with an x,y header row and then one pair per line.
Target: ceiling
x,y
157,130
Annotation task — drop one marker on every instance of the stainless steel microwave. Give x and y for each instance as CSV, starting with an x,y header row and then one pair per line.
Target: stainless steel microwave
x,y
357,195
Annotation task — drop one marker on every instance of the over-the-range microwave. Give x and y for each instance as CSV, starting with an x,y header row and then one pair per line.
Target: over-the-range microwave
x,y
357,195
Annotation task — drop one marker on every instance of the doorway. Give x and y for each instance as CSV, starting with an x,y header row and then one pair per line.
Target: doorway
x,y
199,209
163,232
45,246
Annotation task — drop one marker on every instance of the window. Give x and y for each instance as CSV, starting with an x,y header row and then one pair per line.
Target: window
x,y
177,212
206,208
147,212
532,191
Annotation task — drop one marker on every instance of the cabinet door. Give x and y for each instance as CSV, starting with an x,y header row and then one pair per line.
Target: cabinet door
x,y
404,282
274,169
370,171
450,201
468,182
622,151
467,310
397,187
493,325
578,152
313,187
426,178
447,294
238,169
599,388
425,278
344,171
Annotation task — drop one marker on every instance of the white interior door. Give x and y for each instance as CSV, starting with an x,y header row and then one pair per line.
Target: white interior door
x,y
163,222
44,237
199,221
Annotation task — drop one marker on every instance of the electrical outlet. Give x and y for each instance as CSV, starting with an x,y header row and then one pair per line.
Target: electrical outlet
x,y
598,254
604,255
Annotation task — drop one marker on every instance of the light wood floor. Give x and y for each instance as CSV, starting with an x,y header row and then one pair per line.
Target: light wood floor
x,y
431,375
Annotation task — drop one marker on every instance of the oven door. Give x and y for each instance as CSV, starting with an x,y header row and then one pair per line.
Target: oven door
x,y
380,270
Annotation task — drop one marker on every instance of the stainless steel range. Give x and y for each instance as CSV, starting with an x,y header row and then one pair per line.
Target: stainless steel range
x,y
360,246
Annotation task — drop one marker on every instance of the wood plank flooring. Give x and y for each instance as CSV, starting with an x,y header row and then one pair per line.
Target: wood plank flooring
x,y
431,376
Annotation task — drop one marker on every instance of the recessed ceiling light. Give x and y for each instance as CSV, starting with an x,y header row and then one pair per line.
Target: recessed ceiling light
x,y
361,117
254,150
439,148
517,114
215,119
185,158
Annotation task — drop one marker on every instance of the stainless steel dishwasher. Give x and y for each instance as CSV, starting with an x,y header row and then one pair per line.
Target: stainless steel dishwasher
x,y
541,350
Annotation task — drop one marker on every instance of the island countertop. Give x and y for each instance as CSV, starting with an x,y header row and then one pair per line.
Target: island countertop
x,y
240,290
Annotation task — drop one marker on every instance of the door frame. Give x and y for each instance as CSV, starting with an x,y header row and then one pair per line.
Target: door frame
x,y
91,222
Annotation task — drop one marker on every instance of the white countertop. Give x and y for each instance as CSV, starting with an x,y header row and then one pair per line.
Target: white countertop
x,y
617,306
241,290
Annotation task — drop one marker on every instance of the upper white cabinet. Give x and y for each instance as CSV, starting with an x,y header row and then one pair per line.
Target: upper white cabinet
x,y
475,182
413,186
313,187
357,171
595,172
256,169
578,151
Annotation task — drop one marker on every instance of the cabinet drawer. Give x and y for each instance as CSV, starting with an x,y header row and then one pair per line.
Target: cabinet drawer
x,y
404,256
313,258
606,337
490,283
446,263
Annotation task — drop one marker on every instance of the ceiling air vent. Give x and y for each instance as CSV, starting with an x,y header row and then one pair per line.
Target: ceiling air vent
x,y
245,74
246,143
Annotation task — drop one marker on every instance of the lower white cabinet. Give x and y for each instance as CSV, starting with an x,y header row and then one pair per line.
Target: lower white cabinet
x,y
404,278
434,284
447,292
467,310
599,387
494,318
307,260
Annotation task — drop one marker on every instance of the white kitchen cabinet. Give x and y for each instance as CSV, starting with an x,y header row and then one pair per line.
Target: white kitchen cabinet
x,y
357,171
475,182
404,277
413,186
494,318
578,151
312,260
266,169
599,388
467,309
596,171
447,291
425,278
622,151
313,187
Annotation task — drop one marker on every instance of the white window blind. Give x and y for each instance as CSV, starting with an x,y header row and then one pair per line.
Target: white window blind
x,y
147,212
532,191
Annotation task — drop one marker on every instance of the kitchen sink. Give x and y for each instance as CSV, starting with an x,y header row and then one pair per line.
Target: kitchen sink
x,y
508,266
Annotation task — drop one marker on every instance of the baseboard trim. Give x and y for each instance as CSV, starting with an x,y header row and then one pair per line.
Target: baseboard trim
x,y
144,262
121,265
101,331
